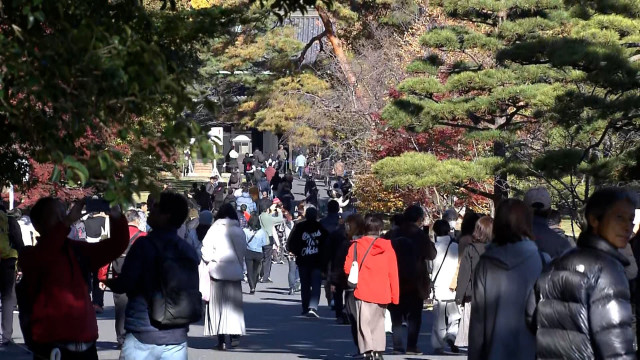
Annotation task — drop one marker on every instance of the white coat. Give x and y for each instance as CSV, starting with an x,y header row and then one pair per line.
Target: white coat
x,y
449,266
223,250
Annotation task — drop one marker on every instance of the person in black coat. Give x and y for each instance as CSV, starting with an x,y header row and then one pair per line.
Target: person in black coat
x,y
413,249
342,239
584,309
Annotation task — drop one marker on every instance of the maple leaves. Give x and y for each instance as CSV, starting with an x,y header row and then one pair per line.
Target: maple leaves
x,y
443,142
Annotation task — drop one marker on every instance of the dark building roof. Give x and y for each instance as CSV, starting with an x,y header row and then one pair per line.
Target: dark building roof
x,y
307,26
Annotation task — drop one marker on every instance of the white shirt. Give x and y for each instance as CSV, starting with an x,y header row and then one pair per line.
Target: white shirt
x,y
448,270
301,160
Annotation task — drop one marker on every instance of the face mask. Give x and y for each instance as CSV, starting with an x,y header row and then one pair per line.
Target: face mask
x,y
452,224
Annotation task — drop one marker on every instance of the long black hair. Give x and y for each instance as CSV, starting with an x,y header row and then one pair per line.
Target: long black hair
x,y
226,211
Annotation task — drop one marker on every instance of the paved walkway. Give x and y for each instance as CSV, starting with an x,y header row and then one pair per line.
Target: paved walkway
x,y
274,331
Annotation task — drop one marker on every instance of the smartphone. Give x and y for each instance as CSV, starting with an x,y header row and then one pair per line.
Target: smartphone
x,y
97,206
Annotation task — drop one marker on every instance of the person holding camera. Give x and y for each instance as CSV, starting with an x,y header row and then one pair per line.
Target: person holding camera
x,y
56,314
269,218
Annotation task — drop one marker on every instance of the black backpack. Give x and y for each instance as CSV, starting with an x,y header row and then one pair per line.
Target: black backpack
x,y
178,303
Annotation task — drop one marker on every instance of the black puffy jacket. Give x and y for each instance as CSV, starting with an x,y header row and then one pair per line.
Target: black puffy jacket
x,y
583,305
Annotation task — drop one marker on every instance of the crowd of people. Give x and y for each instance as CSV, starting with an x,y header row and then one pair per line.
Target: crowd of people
x,y
511,286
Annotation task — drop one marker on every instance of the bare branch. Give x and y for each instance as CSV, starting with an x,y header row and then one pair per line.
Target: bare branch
x,y
309,45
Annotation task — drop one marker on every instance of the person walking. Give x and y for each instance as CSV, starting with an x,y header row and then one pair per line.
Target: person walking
x,y
548,241
11,243
269,218
308,241
447,314
223,251
293,275
464,283
245,198
413,249
301,163
234,179
56,313
502,284
113,269
256,239
163,267
587,287
281,157
377,286
344,237
332,223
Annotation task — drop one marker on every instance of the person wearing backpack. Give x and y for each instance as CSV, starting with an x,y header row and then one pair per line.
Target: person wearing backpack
x,y
376,285
56,313
413,249
10,243
113,269
160,278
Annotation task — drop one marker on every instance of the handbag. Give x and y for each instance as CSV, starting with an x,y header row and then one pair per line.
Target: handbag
x,y
352,280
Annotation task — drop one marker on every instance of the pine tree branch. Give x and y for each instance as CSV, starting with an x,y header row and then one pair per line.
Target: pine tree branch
x,y
309,45
461,126
475,191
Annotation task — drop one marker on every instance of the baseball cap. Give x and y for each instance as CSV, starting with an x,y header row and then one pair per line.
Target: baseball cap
x,y
276,201
540,196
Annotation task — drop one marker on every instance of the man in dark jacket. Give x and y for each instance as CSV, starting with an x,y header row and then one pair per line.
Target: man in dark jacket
x,y
140,280
307,242
413,249
331,223
548,241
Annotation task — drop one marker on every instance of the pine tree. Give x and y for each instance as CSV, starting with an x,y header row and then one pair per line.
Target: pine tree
x,y
553,85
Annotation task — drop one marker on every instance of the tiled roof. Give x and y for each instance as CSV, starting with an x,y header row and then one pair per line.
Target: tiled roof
x,y
307,26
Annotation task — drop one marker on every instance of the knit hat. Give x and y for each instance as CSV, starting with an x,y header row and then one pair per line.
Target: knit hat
x,y
205,217
276,201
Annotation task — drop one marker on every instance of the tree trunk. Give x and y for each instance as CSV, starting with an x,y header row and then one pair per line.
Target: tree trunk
x,y
500,185
336,44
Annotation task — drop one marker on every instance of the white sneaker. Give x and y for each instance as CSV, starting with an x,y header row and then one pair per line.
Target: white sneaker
x,y
313,314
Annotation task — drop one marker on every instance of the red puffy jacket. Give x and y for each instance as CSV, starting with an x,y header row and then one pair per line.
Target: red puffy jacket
x,y
378,275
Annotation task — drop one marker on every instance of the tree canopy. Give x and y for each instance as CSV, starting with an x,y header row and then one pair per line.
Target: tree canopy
x,y
553,85
98,89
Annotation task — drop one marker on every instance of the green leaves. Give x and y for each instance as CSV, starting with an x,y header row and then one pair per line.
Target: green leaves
x,y
458,38
419,170
423,86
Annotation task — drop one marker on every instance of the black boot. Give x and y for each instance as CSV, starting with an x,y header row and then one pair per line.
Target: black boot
x,y
222,344
369,355
377,355
235,341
